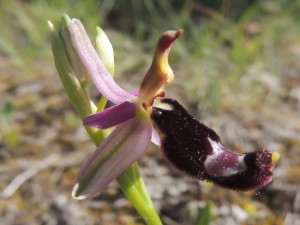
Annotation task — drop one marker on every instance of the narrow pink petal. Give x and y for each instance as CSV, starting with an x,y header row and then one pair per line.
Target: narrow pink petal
x,y
112,116
127,143
95,67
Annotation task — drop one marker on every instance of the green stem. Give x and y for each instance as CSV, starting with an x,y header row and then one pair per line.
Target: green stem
x,y
134,189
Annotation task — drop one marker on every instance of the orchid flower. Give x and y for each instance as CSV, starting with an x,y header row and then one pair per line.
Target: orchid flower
x,y
197,151
130,116
188,144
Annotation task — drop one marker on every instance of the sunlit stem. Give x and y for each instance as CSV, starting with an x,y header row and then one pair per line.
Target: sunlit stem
x,y
132,185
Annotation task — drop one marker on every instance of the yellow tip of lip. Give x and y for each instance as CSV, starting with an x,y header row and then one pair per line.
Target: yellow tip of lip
x,y
275,157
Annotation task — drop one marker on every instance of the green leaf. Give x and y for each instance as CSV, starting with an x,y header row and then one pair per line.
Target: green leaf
x,y
204,215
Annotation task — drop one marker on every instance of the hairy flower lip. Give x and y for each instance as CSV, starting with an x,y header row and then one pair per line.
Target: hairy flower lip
x,y
196,150
259,173
223,163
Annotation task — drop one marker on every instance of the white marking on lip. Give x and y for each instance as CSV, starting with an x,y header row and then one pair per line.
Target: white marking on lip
x,y
213,162
162,105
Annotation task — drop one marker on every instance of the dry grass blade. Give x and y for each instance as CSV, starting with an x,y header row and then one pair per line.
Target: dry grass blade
x,y
29,173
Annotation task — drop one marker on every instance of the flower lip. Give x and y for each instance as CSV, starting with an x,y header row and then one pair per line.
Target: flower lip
x,y
196,150
184,140
223,163
258,174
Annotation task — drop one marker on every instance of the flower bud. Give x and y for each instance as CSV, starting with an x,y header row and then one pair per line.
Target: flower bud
x,y
72,55
67,75
105,50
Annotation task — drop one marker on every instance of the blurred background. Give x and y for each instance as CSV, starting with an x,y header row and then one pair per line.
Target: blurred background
x,y
237,69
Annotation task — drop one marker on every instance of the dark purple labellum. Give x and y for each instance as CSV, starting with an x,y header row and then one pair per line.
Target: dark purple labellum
x,y
196,150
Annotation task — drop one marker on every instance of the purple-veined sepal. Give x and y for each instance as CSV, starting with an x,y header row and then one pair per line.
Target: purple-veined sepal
x,y
94,65
127,143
